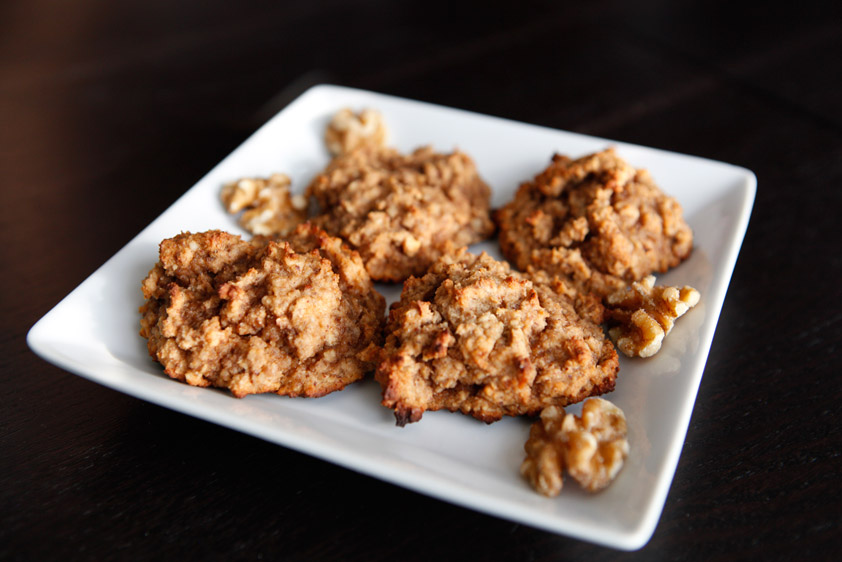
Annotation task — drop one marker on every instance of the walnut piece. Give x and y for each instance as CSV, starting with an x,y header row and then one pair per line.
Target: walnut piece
x,y
595,444
269,208
640,316
348,130
544,453
591,448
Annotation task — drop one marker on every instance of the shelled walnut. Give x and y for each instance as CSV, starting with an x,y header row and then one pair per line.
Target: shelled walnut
x,y
640,316
270,209
596,444
348,130
544,460
591,448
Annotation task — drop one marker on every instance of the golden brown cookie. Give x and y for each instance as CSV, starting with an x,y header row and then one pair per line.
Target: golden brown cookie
x,y
401,212
595,221
296,318
476,337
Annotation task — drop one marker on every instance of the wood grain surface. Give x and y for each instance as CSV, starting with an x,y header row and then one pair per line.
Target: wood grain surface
x,y
111,110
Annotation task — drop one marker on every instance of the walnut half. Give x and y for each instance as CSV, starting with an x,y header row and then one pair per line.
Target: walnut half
x,y
544,453
640,316
591,448
596,444
348,130
269,207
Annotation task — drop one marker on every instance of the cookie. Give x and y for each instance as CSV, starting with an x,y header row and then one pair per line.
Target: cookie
x,y
296,318
402,212
473,336
596,222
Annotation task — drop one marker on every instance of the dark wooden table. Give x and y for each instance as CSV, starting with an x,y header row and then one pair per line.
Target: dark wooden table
x,y
110,110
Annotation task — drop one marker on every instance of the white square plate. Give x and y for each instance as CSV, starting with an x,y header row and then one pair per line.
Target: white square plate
x,y
93,332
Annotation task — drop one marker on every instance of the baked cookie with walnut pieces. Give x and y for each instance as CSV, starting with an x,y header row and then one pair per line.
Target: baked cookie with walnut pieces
x,y
401,212
298,318
596,222
473,336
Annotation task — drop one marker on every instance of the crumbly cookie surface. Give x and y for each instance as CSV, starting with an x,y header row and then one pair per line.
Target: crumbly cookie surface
x,y
594,221
402,211
476,337
296,318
